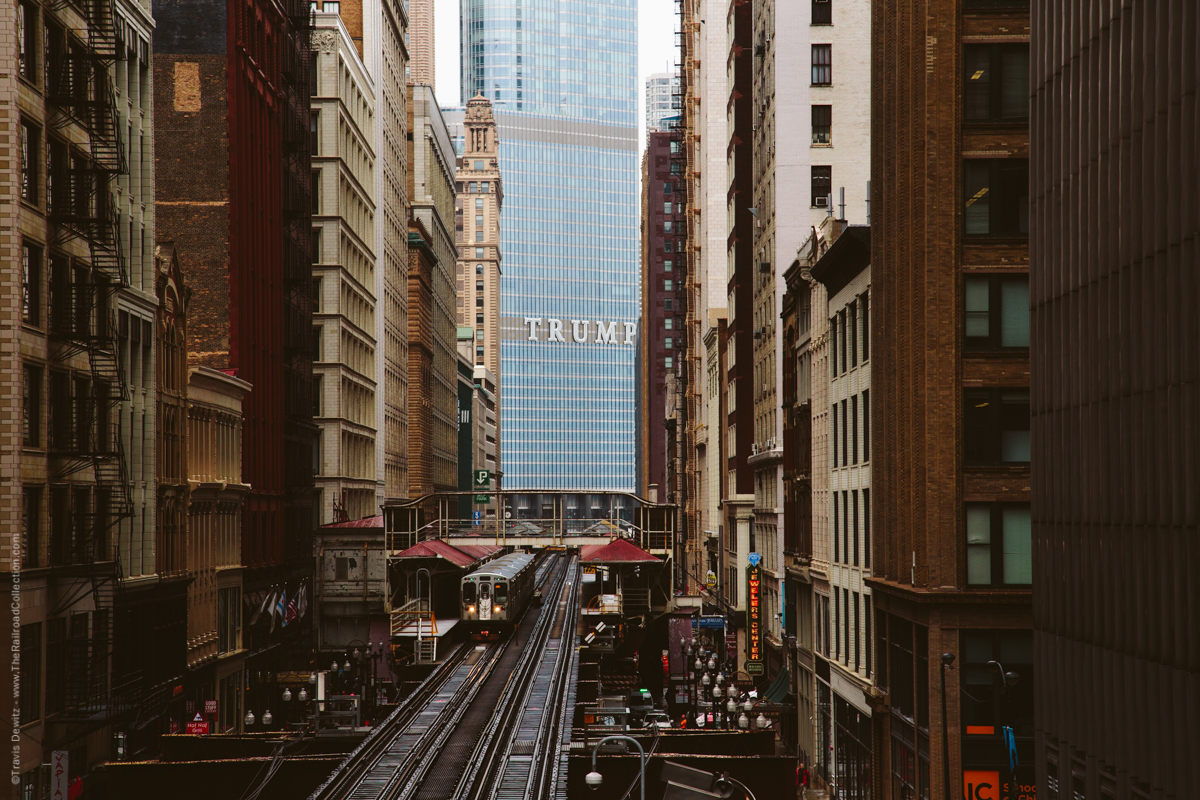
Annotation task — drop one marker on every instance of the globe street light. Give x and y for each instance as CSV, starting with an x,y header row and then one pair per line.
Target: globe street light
x,y
287,695
267,718
249,720
594,778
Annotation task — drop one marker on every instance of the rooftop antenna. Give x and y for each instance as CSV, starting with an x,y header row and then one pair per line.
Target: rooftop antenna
x,y
868,202
829,204
842,203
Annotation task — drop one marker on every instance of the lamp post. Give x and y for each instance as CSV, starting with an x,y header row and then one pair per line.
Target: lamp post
x,y
594,778
1000,696
947,665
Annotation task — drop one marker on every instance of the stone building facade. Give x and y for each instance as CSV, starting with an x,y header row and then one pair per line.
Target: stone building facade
x,y
345,263
478,202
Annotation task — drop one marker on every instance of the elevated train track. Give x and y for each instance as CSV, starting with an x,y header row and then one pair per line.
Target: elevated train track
x,y
487,723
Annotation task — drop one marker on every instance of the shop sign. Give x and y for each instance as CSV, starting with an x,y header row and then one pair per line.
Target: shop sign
x,y
197,726
59,775
210,707
754,631
981,784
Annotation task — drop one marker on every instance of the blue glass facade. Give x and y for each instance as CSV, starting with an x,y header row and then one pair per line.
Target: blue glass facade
x,y
562,75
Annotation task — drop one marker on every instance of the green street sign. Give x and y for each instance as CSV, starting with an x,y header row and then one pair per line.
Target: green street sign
x,y
483,498
482,479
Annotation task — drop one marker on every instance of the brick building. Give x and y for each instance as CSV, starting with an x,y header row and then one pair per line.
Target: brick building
x,y
662,309
235,195
949,337
432,334
1115,420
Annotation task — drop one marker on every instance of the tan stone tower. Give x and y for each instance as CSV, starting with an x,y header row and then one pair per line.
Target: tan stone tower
x,y
478,227
420,42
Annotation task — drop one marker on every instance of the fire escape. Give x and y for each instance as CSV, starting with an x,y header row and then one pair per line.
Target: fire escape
x,y
86,432
688,372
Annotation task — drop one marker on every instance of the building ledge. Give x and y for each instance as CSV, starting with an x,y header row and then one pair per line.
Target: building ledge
x,y
937,596
763,457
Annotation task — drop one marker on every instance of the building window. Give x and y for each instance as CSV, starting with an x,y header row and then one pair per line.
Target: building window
x,y
996,196
674,147
31,406
479,319
318,385
1013,649
668,362
479,220
316,344
822,12
833,428
473,186
314,133
842,335
868,642
668,285
479,236
479,166
667,206
31,673
668,304
479,269
316,191
854,430
27,27
667,343
316,295
996,426
479,286
478,205
479,252
668,323
833,346
479,351
866,506
479,302
31,525
822,64
852,328
865,315
667,188
31,283
866,424
668,246
668,265
854,550
31,137
317,255
822,185
229,607
999,545
667,227
996,82
484,186
996,311
822,124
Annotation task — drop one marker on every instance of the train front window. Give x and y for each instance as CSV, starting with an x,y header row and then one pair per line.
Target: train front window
x,y
501,593
485,591
469,594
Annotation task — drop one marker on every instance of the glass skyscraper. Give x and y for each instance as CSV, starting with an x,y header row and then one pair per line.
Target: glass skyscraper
x,y
562,75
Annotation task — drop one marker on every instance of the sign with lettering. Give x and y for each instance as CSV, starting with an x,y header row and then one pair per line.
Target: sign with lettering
x,y
210,706
754,630
569,331
981,784
482,478
59,775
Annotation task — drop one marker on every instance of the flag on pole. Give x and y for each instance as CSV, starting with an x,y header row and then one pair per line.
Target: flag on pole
x,y
292,608
263,599
281,606
302,605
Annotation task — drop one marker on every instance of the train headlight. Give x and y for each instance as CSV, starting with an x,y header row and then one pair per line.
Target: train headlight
x,y
470,609
496,609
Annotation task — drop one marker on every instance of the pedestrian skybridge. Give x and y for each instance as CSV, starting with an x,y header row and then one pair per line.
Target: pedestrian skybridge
x,y
532,519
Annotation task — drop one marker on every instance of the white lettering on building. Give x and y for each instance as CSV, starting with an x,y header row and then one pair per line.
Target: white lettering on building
x,y
606,335
606,332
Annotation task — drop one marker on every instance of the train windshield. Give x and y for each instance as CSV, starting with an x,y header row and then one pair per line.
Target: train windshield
x,y
501,593
485,590
469,593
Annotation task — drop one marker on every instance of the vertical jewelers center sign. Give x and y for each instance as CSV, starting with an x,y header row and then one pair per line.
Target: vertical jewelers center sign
x,y
754,632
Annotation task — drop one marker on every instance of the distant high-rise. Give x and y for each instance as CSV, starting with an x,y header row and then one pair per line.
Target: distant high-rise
x,y
662,100
565,99
421,67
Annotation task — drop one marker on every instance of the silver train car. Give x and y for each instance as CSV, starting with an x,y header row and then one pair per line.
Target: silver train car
x,y
495,595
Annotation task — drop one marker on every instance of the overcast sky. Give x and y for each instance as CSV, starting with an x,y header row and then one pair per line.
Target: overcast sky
x,y
656,50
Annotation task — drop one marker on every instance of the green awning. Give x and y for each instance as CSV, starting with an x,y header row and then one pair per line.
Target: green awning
x,y
779,687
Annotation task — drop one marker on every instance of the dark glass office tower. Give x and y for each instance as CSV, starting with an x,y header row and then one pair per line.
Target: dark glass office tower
x,y
562,76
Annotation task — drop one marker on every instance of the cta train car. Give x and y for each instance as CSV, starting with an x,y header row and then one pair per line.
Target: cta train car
x,y
495,595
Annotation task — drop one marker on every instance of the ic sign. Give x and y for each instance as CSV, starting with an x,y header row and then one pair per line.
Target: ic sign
x,y
981,784
754,633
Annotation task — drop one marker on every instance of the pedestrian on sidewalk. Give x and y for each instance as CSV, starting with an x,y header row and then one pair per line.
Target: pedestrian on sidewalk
x,y
802,780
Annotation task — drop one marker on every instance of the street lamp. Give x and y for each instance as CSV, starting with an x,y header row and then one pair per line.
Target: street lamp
x,y
287,695
249,720
947,665
267,718
594,778
303,696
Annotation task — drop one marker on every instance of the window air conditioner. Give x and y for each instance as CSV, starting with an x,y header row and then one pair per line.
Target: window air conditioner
x,y
753,449
822,202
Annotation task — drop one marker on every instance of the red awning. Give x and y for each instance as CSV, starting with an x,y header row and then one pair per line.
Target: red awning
x,y
618,551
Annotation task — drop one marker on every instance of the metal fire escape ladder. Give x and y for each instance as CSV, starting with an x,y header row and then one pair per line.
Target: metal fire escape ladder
x,y
83,319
